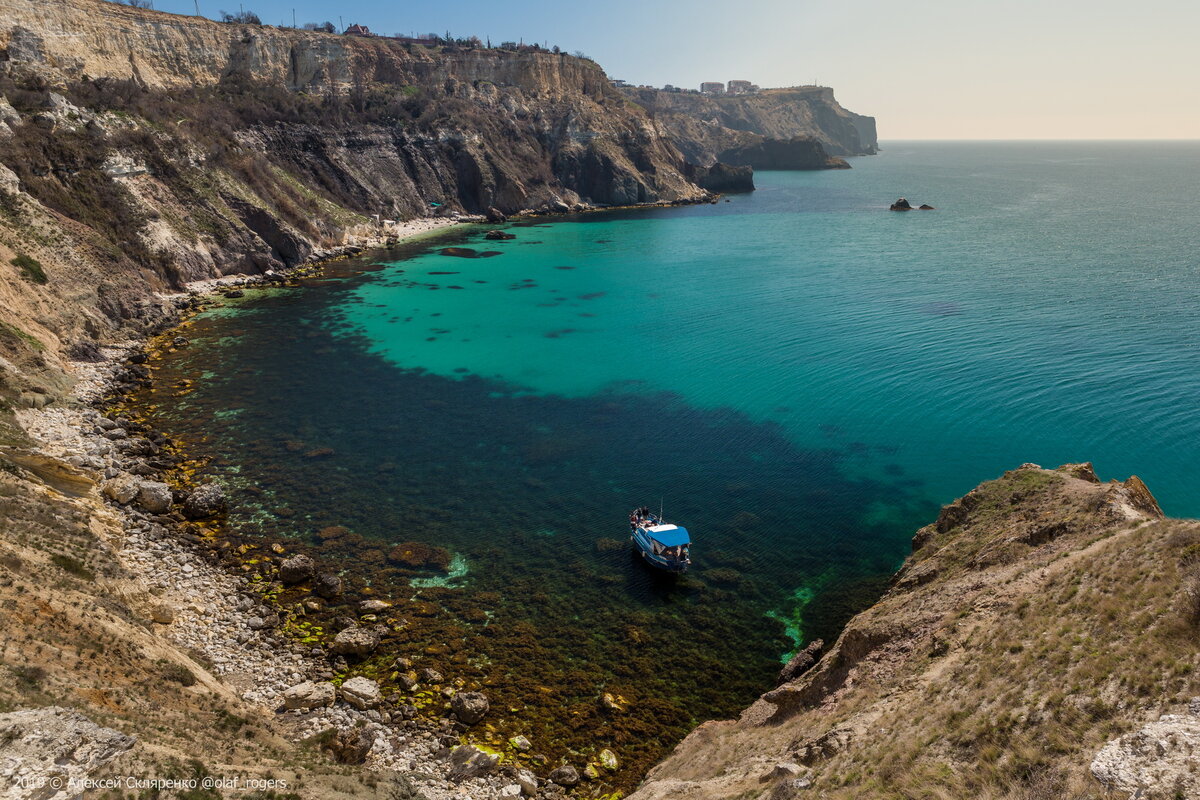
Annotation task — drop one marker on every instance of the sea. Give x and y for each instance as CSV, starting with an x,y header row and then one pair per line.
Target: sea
x,y
797,375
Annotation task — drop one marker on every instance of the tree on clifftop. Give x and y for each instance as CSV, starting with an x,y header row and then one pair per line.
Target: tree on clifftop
x,y
241,18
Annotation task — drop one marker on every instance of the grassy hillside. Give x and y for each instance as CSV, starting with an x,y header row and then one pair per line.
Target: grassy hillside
x,y
1042,616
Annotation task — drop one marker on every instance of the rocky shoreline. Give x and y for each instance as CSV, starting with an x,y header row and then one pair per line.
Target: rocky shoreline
x,y
203,605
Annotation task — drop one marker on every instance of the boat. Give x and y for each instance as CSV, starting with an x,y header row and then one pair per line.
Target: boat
x,y
663,545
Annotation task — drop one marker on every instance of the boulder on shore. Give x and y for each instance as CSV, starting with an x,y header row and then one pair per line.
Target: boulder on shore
x,y
309,695
122,489
360,692
154,497
351,746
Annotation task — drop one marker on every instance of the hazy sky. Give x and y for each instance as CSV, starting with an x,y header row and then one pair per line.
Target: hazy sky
x,y
926,69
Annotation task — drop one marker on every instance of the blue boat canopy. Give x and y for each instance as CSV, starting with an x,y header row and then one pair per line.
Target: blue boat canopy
x,y
669,535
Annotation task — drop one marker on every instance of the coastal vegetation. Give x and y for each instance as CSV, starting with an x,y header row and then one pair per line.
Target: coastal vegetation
x,y
31,268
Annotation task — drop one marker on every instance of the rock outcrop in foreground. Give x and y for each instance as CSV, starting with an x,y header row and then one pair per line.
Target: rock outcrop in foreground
x,y
1041,642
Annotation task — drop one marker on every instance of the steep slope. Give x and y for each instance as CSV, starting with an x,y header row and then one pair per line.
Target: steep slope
x,y
139,150
806,123
91,682
1042,615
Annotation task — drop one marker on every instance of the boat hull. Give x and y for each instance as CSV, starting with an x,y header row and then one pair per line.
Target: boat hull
x,y
642,544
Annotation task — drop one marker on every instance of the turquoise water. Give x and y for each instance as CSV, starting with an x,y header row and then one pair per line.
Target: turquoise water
x,y
801,376
1047,311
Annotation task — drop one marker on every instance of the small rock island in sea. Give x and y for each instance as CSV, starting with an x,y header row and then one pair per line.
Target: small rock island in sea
x,y
903,205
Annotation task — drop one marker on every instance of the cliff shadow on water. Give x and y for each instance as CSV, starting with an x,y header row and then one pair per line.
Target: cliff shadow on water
x,y
493,518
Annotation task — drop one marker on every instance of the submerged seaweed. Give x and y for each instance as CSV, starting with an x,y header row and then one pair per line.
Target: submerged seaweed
x,y
493,519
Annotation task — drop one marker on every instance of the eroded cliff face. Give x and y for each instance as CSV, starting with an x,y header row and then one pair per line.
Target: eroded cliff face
x,y
140,150
801,126
1043,616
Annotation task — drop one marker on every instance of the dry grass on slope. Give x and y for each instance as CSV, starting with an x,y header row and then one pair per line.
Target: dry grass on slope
x,y
75,633
1042,616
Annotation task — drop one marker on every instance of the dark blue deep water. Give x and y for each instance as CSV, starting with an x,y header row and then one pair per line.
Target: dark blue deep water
x,y
799,375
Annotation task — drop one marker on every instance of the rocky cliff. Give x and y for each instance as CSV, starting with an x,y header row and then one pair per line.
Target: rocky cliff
x,y
140,150
1041,641
795,128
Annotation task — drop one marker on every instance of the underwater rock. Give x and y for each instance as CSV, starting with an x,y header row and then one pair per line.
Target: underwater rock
x,y
459,252
297,569
319,452
613,702
470,707
468,761
499,235
355,641
205,501
372,606
332,532
606,545
566,775
327,585
419,555
309,695
721,575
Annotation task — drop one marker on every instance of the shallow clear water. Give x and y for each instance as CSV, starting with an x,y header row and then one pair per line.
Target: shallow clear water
x,y
801,376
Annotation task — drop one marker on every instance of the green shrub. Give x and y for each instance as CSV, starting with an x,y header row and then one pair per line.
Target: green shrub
x,y
73,566
31,268
178,673
29,678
